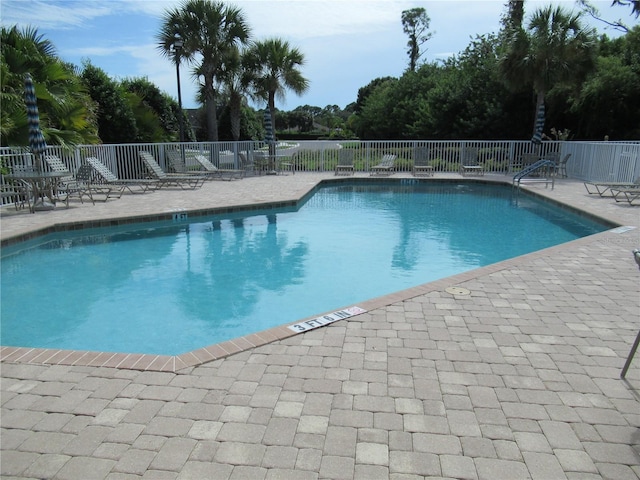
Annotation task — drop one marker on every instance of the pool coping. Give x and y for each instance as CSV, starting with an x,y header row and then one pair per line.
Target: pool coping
x,y
177,363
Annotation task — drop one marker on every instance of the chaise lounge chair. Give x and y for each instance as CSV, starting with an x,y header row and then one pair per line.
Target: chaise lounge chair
x,y
107,177
628,195
385,167
76,186
170,180
421,165
345,162
470,164
606,188
178,165
215,172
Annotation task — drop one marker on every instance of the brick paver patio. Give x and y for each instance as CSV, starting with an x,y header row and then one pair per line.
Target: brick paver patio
x,y
518,379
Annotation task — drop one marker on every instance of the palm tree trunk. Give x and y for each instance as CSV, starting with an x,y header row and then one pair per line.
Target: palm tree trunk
x,y
235,103
212,117
272,112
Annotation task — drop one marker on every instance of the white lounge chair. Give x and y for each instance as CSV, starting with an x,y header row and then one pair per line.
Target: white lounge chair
x,y
215,172
606,188
79,185
385,167
170,180
628,195
107,177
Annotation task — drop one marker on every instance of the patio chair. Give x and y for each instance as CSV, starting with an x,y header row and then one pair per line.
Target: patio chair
x,y
261,161
167,179
246,162
421,166
385,167
221,173
469,164
605,188
17,192
561,166
107,177
345,162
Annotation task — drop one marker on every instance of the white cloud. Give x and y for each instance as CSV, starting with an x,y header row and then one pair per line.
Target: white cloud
x,y
54,15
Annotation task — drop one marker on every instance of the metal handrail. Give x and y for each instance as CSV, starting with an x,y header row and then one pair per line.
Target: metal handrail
x,y
544,165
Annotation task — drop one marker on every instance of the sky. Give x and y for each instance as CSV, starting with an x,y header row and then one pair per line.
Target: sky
x,y
346,43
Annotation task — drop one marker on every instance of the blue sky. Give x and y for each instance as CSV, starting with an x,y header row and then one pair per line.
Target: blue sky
x,y
346,43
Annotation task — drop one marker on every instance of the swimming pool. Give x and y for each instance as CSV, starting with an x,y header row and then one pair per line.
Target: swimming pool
x,y
167,288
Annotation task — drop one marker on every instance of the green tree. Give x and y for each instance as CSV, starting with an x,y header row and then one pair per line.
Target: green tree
x,y
512,20
235,81
374,120
415,23
116,120
148,127
456,108
250,124
275,68
66,111
161,105
555,49
208,30
364,92
609,101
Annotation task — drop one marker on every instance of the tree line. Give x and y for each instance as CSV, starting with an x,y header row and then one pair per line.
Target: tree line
x,y
589,85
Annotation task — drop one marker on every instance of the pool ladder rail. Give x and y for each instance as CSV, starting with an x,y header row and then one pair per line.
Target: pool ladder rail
x,y
545,170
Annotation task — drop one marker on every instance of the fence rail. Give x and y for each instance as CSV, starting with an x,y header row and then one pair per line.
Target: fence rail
x,y
589,161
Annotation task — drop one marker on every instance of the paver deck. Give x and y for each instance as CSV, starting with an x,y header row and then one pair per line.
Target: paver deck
x,y
517,379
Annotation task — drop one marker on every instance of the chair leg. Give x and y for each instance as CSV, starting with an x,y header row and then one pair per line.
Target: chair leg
x,y
632,353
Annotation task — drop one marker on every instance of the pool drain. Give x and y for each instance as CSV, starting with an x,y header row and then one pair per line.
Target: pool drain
x,y
457,291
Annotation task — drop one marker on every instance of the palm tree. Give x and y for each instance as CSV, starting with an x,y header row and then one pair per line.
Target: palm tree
x,y
235,81
273,64
66,110
556,49
208,30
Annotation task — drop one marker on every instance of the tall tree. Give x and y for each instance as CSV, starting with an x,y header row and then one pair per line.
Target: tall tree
x,y
275,67
415,23
116,120
208,30
512,20
555,49
235,81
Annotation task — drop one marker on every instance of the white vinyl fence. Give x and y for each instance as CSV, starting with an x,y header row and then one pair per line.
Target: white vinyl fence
x,y
589,161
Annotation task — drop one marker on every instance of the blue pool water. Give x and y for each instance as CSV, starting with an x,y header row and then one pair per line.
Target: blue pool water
x,y
167,288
